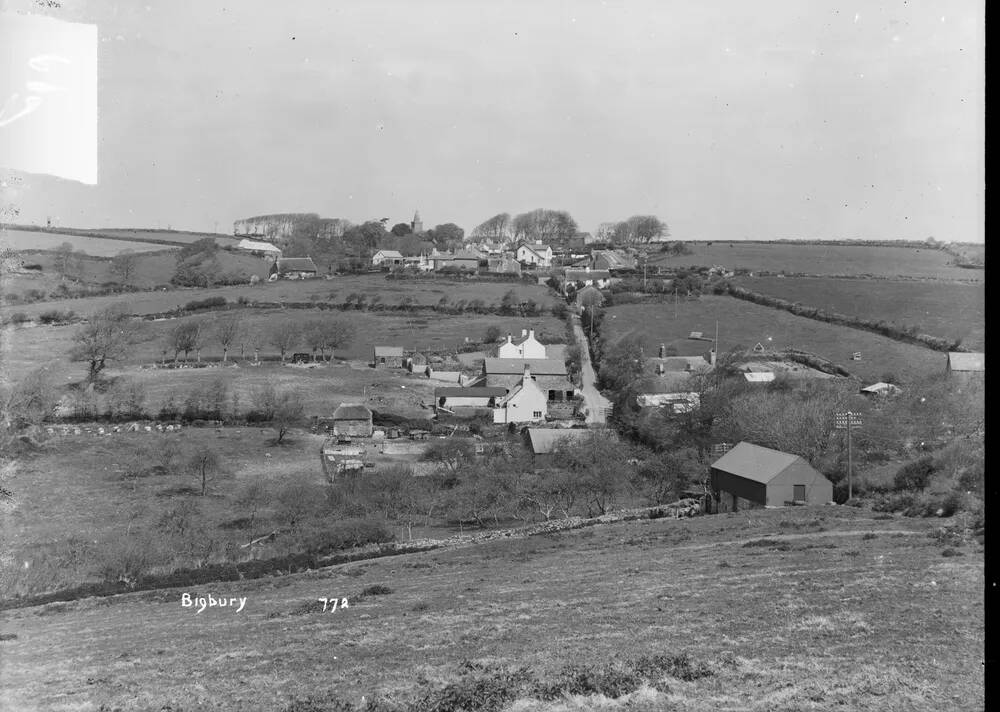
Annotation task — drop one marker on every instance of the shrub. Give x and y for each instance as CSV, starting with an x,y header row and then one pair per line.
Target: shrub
x,y
209,303
914,476
377,590
18,318
54,316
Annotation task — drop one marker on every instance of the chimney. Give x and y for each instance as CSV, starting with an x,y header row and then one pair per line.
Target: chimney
x,y
524,332
527,372
711,358
531,333
508,337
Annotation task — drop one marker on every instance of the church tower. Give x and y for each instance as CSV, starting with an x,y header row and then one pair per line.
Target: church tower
x,y
417,225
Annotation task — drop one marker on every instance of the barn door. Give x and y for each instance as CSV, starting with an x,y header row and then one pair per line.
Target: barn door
x,y
799,493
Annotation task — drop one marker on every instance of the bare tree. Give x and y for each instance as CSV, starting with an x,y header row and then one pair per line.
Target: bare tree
x,y
496,229
284,335
227,332
108,335
28,401
123,265
251,499
185,337
288,412
204,463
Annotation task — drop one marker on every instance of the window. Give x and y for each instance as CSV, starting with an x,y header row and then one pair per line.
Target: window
x,y
799,493
537,414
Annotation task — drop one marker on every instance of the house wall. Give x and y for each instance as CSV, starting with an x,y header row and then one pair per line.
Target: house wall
x,y
508,350
780,490
354,428
521,408
390,361
532,348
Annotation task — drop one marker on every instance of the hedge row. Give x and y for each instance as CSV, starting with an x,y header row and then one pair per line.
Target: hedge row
x,y
899,333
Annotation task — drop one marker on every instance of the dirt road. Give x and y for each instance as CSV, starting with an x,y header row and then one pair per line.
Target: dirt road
x,y
595,402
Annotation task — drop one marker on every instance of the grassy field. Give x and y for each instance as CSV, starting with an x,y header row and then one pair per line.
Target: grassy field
x,y
337,289
825,260
24,348
96,246
803,609
936,308
744,324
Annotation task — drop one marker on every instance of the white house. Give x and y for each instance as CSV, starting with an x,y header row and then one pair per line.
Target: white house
x,y
387,258
598,277
526,403
535,253
525,347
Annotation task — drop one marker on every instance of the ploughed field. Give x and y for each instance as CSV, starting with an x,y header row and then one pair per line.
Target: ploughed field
x,y
744,324
857,260
943,309
337,289
817,608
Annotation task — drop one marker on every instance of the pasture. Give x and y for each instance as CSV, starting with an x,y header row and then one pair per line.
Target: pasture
x,y
744,324
819,608
336,289
22,240
937,308
818,259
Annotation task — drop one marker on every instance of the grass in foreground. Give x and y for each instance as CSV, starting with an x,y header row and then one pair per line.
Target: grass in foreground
x,y
842,612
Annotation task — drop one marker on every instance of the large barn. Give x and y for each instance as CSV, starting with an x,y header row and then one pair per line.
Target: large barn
x,y
352,420
750,476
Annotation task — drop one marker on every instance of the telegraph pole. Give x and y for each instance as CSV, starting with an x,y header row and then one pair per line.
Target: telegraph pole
x,y
846,420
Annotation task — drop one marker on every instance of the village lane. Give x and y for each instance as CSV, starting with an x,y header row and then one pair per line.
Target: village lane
x,y
596,403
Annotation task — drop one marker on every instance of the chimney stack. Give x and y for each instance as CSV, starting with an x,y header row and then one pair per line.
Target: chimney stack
x,y
531,333
527,372
524,332
508,337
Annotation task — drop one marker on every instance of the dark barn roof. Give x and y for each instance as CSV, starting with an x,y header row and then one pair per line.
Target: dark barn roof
x,y
473,392
515,366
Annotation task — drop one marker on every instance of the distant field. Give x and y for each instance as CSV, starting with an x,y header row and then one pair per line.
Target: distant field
x,y
391,292
96,246
814,608
825,260
744,324
180,237
27,347
936,308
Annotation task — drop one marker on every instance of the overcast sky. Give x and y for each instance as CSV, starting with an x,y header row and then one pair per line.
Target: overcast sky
x,y
728,120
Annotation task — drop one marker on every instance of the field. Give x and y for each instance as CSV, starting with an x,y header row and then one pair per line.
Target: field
x,y
744,324
852,260
96,246
812,608
338,288
936,308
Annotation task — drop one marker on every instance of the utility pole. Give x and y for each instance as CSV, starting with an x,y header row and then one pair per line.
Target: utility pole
x,y
847,420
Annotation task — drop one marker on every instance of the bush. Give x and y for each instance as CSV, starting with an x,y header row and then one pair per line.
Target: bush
x,y
18,318
914,476
209,303
54,316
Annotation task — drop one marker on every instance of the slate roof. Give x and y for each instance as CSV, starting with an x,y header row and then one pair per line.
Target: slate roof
x,y
543,440
753,462
471,392
582,275
683,363
961,361
515,366
257,245
352,411
296,264
392,254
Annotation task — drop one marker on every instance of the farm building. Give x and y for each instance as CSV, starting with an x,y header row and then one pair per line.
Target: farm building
x,y
534,254
352,420
881,389
505,264
293,268
543,441
527,346
388,356
966,362
459,399
387,258
611,259
586,276
548,374
759,376
526,403
750,476
415,362
684,364
258,248
466,259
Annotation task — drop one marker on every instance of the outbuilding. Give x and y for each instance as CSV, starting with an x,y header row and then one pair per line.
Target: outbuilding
x,y
750,476
352,420
387,356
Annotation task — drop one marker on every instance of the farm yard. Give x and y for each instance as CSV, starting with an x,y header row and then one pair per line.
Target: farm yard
x,y
940,309
818,259
745,324
880,621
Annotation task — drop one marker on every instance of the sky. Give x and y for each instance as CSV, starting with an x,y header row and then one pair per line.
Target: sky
x,y
730,120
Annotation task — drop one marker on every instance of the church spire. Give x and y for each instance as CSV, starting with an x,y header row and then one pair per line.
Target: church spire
x,y
417,225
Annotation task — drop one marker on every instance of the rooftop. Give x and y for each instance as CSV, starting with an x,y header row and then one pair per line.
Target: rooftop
x,y
388,350
544,440
515,366
753,462
352,411
472,392
296,264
